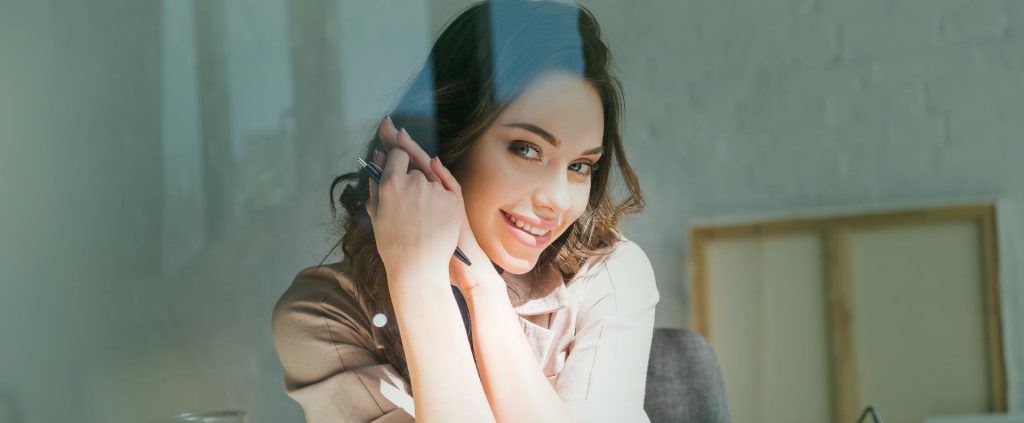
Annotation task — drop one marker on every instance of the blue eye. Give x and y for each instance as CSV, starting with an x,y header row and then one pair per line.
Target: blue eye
x,y
522,149
591,167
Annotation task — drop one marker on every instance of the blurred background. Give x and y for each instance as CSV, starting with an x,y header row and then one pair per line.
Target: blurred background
x,y
164,173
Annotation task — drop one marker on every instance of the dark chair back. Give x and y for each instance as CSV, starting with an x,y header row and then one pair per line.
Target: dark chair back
x,y
684,382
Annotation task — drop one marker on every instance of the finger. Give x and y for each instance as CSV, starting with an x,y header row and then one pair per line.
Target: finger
x,y
371,204
377,159
388,133
397,164
418,157
446,177
415,173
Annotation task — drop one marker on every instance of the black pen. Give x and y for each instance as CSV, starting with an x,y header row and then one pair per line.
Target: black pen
x,y
376,172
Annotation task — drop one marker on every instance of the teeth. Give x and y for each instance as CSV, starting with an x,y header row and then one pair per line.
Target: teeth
x,y
527,228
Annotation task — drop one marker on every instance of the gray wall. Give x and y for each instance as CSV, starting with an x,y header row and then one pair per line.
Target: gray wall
x,y
754,109
164,165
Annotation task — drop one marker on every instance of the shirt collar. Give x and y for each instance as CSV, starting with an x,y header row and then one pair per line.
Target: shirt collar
x,y
548,294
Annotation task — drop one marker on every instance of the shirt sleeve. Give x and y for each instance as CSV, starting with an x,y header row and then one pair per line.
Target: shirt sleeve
x,y
329,362
604,377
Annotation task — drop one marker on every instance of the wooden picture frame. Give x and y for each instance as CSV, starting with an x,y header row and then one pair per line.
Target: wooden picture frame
x,y
835,232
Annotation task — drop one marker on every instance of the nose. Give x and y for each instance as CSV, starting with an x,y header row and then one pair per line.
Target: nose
x,y
553,194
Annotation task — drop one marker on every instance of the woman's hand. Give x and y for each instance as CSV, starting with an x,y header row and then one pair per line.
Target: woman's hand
x,y
466,278
415,221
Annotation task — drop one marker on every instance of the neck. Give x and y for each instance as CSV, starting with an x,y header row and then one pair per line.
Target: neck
x,y
527,283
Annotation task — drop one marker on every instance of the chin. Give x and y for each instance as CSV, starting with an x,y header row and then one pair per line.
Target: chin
x,y
513,264
516,266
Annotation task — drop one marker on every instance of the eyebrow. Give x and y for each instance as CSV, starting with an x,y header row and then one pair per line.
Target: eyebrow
x,y
548,137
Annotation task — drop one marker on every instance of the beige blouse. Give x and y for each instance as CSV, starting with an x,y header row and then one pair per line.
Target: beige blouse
x,y
591,336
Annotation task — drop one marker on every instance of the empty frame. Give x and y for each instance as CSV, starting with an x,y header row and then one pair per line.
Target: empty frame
x,y
814,319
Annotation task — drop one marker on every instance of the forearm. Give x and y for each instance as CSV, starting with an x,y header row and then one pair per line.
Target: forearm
x,y
445,381
512,379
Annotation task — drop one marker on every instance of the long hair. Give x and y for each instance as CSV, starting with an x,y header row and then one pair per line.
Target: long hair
x,y
480,62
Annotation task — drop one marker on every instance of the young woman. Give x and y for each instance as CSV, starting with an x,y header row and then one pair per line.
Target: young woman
x,y
502,146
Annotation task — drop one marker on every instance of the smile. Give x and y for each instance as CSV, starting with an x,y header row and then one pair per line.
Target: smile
x,y
523,234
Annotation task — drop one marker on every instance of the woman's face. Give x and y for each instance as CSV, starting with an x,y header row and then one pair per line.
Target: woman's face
x,y
533,165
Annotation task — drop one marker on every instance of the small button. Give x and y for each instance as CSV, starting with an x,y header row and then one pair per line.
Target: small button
x,y
379,320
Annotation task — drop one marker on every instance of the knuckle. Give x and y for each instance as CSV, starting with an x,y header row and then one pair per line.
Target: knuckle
x,y
417,176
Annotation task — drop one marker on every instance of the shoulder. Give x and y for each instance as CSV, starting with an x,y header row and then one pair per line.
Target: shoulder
x,y
313,288
625,275
317,279
628,256
315,305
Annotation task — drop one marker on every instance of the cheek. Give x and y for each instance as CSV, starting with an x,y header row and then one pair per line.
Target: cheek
x,y
579,204
581,198
484,194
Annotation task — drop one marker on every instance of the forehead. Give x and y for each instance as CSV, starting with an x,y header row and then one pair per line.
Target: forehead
x,y
563,104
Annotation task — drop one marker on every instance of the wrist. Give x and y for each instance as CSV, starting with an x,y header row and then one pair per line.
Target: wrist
x,y
416,269
489,290
414,280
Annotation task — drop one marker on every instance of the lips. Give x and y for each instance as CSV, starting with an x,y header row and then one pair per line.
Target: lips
x,y
535,223
526,238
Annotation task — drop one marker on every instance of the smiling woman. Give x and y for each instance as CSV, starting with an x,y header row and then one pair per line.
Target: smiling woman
x,y
518,102
533,167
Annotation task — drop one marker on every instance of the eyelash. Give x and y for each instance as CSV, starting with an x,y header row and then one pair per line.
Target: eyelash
x,y
520,144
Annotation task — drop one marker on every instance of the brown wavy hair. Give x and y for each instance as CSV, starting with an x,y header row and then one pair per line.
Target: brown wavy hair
x,y
481,61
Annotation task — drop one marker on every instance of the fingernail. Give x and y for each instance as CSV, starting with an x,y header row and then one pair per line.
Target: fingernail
x,y
387,118
403,131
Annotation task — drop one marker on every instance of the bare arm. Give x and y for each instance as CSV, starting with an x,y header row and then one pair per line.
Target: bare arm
x,y
415,224
513,381
605,371
445,381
